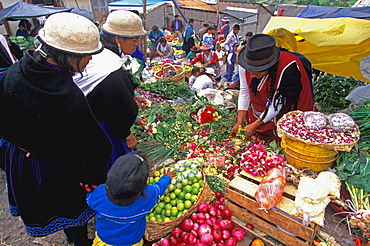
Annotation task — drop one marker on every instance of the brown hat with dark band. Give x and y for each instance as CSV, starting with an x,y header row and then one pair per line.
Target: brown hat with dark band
x,y
260,53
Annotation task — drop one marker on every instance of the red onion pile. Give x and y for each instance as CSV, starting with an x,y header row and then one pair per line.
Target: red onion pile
x,y
211,225
294,125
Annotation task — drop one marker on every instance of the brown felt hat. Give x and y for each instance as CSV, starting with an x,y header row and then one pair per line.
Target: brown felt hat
x,y
260,53
194,49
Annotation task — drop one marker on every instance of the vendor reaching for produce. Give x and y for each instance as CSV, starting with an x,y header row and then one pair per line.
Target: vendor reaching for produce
x,y
154,35
165,50
204,81
208,58
272,83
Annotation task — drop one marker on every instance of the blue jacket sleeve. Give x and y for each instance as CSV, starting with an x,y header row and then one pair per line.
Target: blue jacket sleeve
x,y
150,35
162,184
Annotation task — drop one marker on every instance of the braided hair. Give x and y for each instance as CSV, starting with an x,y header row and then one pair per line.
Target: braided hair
x,y
272,73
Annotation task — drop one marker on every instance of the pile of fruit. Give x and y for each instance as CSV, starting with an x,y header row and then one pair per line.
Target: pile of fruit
x,y
181,193
178,51
26,43
170,38
211,225
186,67
176,43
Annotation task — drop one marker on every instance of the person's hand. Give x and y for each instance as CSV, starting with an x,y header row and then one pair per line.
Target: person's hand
x,y
88,187
153,39
142,102
131,141
251,128
170,172
235,129
141,122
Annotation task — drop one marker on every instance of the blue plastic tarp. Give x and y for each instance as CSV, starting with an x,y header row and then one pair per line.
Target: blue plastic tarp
x,y
319,12
22,10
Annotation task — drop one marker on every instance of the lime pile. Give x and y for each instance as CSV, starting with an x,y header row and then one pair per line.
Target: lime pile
x,y
26,43
181,193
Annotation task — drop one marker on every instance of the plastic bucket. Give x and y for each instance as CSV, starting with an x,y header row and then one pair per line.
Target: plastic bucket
x,y
303,155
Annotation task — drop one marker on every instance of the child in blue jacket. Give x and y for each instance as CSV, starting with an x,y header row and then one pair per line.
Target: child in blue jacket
x,y
124,200
230,63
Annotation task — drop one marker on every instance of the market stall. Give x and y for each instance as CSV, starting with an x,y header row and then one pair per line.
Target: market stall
x,y
239,190
275,193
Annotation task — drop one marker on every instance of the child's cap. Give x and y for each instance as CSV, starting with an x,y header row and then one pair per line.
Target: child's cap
x,y
126,179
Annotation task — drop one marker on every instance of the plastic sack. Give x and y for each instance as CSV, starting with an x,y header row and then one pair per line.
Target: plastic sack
x,y
270,190
314,120
341,122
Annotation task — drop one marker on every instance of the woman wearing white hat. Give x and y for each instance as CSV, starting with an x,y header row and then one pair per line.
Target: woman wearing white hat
x,y
57,148
225,29
108,83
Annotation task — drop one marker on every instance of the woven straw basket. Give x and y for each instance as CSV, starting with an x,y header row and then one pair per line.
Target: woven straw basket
x,y
338,147
158,230
180,72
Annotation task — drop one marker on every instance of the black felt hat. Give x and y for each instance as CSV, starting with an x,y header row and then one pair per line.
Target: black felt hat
x,y
126,179
249,34
260,53
236,27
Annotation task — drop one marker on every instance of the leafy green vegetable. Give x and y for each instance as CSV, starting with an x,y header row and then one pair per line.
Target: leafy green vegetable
x,y
361,115
353,170
216,184
167,88
330,92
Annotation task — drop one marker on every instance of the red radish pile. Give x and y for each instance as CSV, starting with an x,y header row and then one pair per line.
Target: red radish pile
x,y
257,160
211,225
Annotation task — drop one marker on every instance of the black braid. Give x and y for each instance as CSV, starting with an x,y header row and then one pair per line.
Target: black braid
x,y
272,73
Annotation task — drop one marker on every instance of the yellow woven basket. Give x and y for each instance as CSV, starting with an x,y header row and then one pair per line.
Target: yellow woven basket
x,y
180,72
338,147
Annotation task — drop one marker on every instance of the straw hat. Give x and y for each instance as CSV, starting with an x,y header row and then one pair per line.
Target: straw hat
x,y
260,53
71,33
125,24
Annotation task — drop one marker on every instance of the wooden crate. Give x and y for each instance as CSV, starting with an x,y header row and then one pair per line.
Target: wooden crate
x,y
240,200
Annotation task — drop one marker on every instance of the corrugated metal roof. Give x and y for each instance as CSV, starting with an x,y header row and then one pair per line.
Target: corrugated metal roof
x,y
361,3
238,14
196,4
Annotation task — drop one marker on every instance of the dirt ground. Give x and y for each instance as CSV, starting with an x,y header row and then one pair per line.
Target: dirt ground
x,y
12,232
